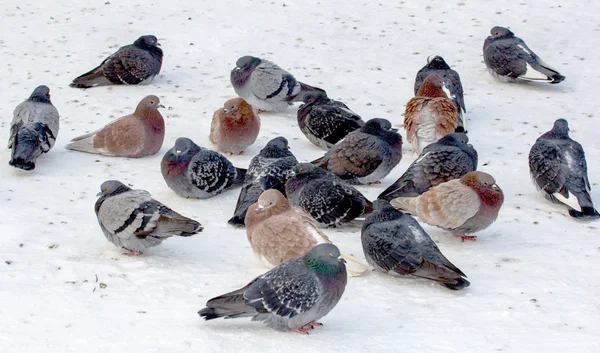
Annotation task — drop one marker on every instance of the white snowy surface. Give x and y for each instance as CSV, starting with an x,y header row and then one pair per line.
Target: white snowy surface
x,y
534,273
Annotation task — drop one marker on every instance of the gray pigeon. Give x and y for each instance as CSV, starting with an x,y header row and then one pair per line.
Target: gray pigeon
x,y
290,297
33,130
133,64
509,59
366,155
325,197
558,168
193,171
133,220
268,170
326,121
265,85
452,85
449,158
395,242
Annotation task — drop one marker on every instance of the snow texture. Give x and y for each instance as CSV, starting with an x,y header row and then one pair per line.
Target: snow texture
x,y
65,288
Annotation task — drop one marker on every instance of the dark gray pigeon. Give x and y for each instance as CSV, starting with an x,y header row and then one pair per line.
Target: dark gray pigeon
x,y
290,297
325,197
366,155
326,121
449,158
265,85
268,170
33,130
452,85
394,242
133,220
133,64
193,171
558,168
509,59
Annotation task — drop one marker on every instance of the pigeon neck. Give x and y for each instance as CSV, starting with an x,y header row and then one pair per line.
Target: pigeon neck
x,y
430,90
322,268
40,99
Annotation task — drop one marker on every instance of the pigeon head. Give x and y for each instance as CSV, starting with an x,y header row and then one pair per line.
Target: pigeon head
x,y
485,186
146,42
432,87
500,32
381,204
302,169
561,128
272,201
326,260
312,97
40,94
436,62
148,104
276,148
454,139
376,126
112,187
244,67
183,147
235,105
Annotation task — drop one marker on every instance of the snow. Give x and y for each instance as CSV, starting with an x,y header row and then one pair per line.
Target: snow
x,y
64,288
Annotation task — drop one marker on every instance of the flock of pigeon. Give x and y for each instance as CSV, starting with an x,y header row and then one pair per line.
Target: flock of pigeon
x,y
284,204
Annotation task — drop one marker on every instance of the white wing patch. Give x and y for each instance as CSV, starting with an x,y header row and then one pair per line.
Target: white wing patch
x,y
534,75
524,49
571,201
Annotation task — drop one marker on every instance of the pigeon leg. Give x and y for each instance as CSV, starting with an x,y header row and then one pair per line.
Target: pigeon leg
x,y
467,237
132,252
304,329
241,153
314,324
375,183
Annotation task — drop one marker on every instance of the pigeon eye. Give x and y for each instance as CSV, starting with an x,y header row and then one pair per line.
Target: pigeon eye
x,y
496,33
301,170
486,183
330,255
462,141
151,102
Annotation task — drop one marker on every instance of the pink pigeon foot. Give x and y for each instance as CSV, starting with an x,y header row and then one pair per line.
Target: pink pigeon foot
x,y
375,183
132,252
304,329
467,237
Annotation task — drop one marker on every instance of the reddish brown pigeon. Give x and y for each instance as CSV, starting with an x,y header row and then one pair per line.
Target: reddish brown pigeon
x,y
235,126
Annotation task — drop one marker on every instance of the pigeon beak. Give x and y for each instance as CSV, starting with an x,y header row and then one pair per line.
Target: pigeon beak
x,y
495,187
225,110
292,173
341,259
394,129
178,151
161,106
98,194
260,208
157,43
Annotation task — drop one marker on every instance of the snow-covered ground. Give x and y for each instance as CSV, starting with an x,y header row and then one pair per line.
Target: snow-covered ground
x,y
64,288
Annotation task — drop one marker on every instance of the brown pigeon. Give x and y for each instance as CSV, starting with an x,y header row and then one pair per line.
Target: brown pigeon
x,y
235,126
278,232
464,205
430,115
136,135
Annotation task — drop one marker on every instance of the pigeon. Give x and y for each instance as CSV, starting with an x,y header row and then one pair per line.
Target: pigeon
x,y
558,168
509,59
136,135
452,85
133,64
394,242
268,170
328,199
234,127
465,205
133,220
326,121
278,232
265,85
193,171
366,155
33,130
449,158
290,297
430,115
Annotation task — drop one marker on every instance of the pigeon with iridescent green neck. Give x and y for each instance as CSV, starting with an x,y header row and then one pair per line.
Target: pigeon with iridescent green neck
x,y
290,297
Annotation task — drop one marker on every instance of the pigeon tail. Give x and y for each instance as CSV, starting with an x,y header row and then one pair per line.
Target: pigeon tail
x,y
586,212
557,78
91,79
460,284
304,89
27,147
84,143
462,122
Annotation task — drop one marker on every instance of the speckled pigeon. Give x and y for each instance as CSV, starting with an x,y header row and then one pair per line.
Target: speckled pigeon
x,y
326,121
452,85
449,158
133,220
324,196
33,130
265,85
133,64
394,242
268,170
509,59
558,168
366,155
193,171
290,297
